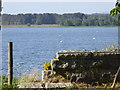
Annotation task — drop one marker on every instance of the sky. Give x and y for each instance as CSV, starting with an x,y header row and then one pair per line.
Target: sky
x,y
57,7
59,0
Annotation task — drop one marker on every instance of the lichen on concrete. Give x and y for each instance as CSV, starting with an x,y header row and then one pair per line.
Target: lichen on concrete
x,y
87,66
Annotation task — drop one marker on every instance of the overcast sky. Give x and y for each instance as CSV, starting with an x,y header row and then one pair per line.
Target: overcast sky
x,y
57,7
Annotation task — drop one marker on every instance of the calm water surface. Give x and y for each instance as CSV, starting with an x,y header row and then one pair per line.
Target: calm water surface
x,y
34,46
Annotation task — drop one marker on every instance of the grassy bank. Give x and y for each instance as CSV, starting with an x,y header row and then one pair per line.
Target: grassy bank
x,y
32,77
4,81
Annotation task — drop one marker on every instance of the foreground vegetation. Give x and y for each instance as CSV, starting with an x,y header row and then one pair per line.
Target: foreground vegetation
x,y
32,77
55,79
4,80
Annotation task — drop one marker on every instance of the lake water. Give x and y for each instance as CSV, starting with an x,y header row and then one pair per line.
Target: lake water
x,y
34,46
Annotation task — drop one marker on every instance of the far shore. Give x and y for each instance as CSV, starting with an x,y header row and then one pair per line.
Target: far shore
x,y
50,25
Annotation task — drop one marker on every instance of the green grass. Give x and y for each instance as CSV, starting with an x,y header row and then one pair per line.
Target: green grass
x,y
4,81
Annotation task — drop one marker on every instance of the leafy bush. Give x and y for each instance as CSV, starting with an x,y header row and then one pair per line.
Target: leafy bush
x,y
47,66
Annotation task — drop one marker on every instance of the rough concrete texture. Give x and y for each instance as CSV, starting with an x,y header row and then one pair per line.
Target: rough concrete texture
x,y
87,66
31,85
45,85
47,74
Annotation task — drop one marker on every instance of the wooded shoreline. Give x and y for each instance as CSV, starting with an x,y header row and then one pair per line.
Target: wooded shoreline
x,y
49,25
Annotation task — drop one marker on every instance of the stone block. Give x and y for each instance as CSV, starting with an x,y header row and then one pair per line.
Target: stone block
x,y
47,74
90,64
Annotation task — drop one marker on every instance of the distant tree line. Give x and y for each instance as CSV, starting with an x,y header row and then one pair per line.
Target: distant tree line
x,y
69,19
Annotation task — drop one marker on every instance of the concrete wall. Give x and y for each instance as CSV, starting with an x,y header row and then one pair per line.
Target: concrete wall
x,y
86,66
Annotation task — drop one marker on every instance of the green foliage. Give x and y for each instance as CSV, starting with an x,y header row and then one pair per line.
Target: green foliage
x,y
118,19
55,58
47,66
104,85
109,48
38,22
74,19
72,87
41,74
117,6
7,87
116,11
112,47
4,81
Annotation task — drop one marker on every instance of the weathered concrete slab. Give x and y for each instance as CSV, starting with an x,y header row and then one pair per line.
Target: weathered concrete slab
x,y
58,85
47,74
30,85
87,66
45,85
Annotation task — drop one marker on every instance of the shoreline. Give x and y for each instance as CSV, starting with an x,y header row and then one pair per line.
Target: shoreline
x,y
49,25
